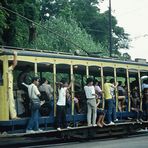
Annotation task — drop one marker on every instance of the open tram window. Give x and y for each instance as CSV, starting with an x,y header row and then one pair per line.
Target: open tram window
x,y
1,73
122,89
95,73
144,89
62,72
144,79
134,90
45,72
80,76
23,73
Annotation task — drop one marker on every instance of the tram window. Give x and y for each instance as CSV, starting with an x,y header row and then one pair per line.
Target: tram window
x,y
1,73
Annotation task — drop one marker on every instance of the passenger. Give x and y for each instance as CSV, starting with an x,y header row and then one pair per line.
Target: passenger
x,y
19,102
91,102
12,107
46,94
145,84
26,99
34,94
98,89
61,104
100,115
24,77
135,103
145,101
76,101
121,96
110,101
46,87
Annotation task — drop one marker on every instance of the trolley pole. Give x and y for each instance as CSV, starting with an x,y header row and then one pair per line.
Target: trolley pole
x,y
110,30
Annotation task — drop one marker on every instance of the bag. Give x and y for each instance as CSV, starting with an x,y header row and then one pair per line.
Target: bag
x,y
35,103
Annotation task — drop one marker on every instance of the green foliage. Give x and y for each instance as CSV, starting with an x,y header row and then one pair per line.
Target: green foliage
x,y
79,22
16,32
3,24
70,31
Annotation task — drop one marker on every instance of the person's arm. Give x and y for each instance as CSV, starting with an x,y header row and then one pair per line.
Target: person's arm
x,y
69,86
114,86
14,59
51,89
25,84
58,84
98,102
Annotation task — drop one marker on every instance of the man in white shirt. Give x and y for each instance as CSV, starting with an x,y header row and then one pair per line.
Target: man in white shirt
x,y
91,102
34,93
61,104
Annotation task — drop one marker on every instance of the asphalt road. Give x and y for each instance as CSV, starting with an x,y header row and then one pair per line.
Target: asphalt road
x,y
130,142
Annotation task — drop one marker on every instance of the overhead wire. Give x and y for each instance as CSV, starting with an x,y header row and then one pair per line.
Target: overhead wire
x,y
48,29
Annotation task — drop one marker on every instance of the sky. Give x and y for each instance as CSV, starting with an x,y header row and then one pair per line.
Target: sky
x,y
132,15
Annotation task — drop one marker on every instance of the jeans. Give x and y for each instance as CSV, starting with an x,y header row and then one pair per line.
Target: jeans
x,y
33,123
111,110
61,116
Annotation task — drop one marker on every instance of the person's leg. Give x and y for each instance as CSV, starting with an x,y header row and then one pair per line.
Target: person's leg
x,y
58,118
99,121
63,117
114,117
108,104
12,108
102,120
146,111
94,111
36,120
89,111
31,121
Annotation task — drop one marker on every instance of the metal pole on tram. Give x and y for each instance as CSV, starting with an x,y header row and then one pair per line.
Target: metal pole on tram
x,y
110,30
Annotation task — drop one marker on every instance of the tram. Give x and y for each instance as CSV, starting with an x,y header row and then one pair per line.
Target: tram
x,y
55,66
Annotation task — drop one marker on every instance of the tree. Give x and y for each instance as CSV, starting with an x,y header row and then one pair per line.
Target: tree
x,y
88,16
17,31
73,37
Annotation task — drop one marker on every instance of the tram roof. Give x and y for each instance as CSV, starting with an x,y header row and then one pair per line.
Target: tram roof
x,y
64,55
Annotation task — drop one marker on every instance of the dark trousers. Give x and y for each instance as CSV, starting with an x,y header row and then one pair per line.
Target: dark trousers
x,y
110,110
61,116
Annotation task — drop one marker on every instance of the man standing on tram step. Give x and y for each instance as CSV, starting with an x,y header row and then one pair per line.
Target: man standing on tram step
x,y
110,101
34,94
91,102
12,107
61,104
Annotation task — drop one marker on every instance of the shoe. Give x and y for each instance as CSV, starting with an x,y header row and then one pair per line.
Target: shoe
x,y
89,124
59,129
68,127
94,125
15,118
141,120
39,130
111,123
116,120
30,131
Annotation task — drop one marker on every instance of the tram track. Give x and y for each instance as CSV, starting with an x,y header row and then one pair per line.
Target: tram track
x,y
79,141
